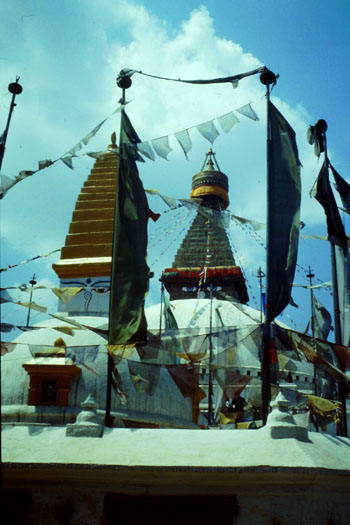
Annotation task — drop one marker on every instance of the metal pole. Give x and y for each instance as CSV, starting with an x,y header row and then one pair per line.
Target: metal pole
x,y
123,82
15,88
267,78
210,385
32,282
343,430
310,276
338,340
260,276
161,308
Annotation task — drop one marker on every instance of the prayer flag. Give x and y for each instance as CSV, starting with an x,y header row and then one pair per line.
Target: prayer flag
x,y
183,138
343,188
284,194
130,273
248,111
322,320
208,131
324,194
66,294
144,376
161,147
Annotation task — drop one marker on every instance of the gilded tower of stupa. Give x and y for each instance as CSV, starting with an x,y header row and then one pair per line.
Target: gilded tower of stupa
x,y
205,258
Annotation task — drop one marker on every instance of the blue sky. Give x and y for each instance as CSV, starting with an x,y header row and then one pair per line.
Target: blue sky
x,y
68,55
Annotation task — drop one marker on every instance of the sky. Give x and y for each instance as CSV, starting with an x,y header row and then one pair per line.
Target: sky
x,y
68,55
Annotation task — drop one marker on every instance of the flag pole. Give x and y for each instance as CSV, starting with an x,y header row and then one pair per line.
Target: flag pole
x,y
343,430
268,79
260,276
210,385
33,283
16,89
123,82
310,276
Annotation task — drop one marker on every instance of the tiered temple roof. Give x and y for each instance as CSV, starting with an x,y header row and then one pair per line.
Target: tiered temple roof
x,y
88,247
204,259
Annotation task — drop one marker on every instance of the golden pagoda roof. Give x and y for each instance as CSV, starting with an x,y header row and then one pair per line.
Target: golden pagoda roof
x,y
88,247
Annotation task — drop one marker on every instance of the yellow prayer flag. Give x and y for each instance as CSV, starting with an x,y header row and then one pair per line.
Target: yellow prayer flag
x,y
66,294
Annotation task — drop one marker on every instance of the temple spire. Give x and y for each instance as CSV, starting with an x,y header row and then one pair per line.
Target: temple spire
x,y
205,257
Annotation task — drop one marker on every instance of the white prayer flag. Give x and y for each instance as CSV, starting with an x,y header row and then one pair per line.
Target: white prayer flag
x,y
68,162
248,111
228,121
86,139
208,131
161,147
146,150
184,140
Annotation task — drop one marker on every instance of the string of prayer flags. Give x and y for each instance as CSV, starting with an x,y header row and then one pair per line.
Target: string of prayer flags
x,y
257,226
232,79
28,260
93,132
47,351
33,306
66,158
82,354
319,237
207,129
42,164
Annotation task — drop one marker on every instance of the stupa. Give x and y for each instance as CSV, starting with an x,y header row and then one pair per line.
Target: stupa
x,y
159,461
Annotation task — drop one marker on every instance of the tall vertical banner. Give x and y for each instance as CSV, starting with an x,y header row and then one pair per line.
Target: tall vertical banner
x,y
342,259
130,273
283,213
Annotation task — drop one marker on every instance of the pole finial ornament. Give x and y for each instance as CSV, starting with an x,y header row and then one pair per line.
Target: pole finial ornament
x,y
267,77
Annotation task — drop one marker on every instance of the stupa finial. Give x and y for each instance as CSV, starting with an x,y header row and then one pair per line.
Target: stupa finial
x,y
113,144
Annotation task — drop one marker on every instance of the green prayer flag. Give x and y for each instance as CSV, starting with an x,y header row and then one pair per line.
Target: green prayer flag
x,y
284,194
130,273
